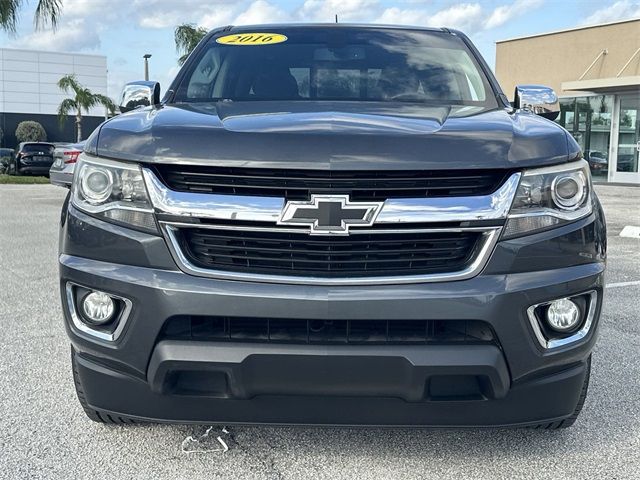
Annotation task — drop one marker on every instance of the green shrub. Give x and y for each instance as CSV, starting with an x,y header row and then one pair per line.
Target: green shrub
x,y
4,164
29,131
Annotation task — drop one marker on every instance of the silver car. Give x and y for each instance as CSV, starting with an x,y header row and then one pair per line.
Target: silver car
x,y
65,158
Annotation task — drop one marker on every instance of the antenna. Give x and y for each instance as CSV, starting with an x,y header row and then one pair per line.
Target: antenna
x,y
336,18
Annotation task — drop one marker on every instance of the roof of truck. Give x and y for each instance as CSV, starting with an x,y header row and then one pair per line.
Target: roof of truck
x,y
333,25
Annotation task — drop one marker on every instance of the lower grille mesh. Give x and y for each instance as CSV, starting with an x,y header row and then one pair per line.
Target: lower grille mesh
x,y
271,330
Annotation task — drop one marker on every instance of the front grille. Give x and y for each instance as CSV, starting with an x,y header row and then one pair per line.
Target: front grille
x,y
359,185
298,254
301,331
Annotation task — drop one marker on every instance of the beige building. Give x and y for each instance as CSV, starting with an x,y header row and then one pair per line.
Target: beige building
x,y
595,71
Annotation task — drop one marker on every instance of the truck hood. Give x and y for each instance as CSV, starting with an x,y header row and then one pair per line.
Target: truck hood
x,y
335,135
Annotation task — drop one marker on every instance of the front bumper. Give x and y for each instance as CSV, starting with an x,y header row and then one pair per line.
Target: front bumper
x,y
61,178
549,398
515,383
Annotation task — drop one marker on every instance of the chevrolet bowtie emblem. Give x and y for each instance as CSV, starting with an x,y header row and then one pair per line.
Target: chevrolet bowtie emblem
x,y
329,214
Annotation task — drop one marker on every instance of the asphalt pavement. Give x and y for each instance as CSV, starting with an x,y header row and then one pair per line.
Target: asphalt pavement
x,y
45,434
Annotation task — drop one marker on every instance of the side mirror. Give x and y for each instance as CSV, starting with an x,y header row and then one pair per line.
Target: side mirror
x,y
537,99
139,94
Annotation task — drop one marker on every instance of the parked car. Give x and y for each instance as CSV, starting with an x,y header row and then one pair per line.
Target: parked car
x,y
6,152
627,162
32,158
597,161
333,224
65,158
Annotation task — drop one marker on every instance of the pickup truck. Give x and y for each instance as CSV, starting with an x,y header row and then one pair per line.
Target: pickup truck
x,y
333,224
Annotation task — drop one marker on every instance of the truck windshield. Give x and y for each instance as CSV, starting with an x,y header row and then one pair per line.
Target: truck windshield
x,y
336,63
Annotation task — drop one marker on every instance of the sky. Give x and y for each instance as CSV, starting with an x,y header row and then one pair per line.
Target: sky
x,y
124,30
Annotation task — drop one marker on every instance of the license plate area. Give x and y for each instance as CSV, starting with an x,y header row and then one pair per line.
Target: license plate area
x,y
330,376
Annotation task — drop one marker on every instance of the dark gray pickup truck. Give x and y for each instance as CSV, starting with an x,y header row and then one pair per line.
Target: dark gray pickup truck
x,y
333,224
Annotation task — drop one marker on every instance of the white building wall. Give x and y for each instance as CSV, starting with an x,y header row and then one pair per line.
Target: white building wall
x,y
28,79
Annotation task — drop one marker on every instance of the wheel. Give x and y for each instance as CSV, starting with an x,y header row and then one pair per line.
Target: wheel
x,y
98,416
567,422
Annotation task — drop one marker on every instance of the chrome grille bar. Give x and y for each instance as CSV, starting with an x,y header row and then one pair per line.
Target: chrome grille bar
x,y
494,206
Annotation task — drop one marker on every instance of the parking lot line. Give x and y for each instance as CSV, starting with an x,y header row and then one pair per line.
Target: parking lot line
x,y
630,231
623,284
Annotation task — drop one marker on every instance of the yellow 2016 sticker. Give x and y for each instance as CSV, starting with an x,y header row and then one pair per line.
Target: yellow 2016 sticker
x,y
252,39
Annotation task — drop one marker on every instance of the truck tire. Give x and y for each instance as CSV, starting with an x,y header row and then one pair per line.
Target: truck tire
x,y
567,422
98,416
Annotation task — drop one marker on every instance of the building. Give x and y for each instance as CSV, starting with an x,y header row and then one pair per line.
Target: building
x,y
29,90
595,71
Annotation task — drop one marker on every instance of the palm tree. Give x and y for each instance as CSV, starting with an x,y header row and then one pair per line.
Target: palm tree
x,y
47,13
187,36
83,99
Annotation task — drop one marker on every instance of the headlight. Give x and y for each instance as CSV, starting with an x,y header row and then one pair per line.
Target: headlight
x,y
113,191
549,197
96,184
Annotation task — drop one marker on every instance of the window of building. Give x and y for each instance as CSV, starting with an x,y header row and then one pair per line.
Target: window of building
x,y
588,119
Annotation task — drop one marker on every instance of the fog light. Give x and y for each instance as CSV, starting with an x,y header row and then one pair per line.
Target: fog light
x,y
98,308
563,315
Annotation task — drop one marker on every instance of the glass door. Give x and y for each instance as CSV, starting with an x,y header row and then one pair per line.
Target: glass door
x,y
588,119
625,154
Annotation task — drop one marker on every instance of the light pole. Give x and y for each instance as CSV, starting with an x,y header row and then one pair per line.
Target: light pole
x,y
146,57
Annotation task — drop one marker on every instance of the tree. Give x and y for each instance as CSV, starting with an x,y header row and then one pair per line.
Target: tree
x,y
47,13
187,36
83,99
29,131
